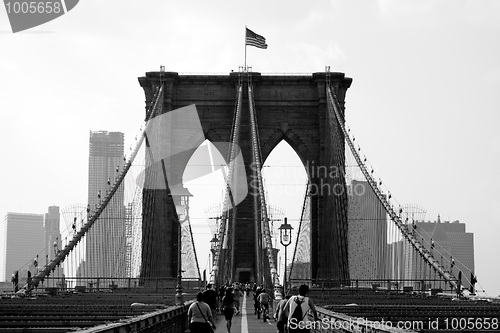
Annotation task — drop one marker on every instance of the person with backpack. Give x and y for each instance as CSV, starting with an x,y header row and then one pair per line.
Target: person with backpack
x,y
280,316
298,309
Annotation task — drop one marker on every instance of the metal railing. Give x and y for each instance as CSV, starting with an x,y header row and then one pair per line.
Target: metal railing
x,y
329,321
431,286
173,320
112,284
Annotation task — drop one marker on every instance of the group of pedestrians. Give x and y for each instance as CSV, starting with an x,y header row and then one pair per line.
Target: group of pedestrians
x,y
201,313
291,312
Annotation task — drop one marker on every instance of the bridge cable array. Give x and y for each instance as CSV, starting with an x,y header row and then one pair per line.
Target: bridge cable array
x,y
225,232
257,166
335,115
62,254
302,252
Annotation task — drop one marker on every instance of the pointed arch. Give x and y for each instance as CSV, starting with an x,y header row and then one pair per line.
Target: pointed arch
x,y
206,183
293,139
285,189
218,142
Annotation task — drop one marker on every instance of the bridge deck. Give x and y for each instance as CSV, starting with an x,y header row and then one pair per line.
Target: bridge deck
x,y
246,321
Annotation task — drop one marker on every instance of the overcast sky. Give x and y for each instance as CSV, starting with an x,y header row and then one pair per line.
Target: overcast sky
x,y
424,103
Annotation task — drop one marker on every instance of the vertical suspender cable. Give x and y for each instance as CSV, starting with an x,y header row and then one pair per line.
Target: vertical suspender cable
x,y
92,219
225,231
257,160
334,112
304,204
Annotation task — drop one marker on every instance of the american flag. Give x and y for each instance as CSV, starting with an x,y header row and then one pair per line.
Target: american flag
x,y
256,40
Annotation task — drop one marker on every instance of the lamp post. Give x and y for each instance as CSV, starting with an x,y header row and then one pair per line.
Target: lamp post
x,y
213,249
285,240
180,196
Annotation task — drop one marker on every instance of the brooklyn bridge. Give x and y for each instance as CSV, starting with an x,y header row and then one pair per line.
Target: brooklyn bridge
x,y
368,262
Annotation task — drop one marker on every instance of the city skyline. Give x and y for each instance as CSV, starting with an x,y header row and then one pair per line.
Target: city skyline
x,y
423,103
366,250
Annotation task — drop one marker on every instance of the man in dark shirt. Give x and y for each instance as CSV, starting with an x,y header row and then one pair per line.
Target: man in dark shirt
x,y
210,297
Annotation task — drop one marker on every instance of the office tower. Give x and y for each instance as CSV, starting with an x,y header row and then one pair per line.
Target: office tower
x,y
129,219
450,241
105,243
23,240
52,234
367,233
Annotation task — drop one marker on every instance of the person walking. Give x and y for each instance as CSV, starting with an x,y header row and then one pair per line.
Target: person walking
x,y
227,307
298,308
264,300
280,315
28,282
15,281
237,296
256,304
200,316
210,297
222,292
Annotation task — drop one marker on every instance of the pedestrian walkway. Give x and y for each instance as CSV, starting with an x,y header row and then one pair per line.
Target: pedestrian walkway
x,y
246,321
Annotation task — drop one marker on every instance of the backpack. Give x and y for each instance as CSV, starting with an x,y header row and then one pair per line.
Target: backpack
x,y
297,313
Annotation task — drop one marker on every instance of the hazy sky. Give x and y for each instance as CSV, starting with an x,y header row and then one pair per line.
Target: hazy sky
x,y
424,103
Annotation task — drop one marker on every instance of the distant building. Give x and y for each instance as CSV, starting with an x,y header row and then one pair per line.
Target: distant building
x,y
377,251
367,233
23,239
106,241
451,244
51,228
129,220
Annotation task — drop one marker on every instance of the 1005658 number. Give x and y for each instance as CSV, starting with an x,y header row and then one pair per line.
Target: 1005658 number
x,y
33,7
472,323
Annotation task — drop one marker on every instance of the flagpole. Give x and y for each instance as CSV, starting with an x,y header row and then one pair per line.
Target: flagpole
x,y
245,68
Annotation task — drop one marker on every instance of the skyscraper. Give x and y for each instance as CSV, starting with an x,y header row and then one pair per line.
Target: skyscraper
x,y
367,233
106,241
52,233
23,240
450,240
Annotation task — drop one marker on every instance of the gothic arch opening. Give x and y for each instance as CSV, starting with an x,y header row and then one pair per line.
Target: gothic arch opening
x,y
204,178
285,180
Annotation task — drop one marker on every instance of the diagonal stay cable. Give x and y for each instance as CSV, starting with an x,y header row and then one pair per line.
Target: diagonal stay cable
x,y
61,256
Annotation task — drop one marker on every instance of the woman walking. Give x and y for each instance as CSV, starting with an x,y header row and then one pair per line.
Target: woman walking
x,y
200,316
228,308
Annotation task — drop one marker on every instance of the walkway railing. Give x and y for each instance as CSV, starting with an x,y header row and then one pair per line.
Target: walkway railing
x,y
402,285
173,320
329,321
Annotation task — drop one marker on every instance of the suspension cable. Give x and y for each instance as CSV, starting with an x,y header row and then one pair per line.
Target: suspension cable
x,y
257,160
190,230
224,227
302,215
61,256
335,115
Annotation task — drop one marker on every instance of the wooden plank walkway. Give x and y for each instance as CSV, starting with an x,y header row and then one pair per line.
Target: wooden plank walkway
x,y
246,321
